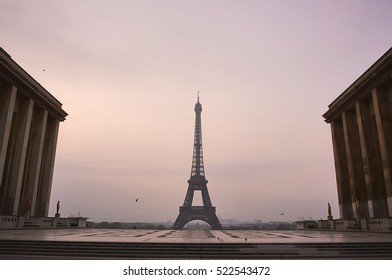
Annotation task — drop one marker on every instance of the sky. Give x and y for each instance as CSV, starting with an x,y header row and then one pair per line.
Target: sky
x,y
127,72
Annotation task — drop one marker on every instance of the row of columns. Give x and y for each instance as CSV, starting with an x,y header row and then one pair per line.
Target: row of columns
x,y
28,137
362,143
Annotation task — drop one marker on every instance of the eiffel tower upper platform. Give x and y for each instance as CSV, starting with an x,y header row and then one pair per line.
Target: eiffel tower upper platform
x,y
197,182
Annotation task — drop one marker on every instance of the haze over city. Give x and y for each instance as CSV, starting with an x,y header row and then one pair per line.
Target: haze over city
x,y
128,72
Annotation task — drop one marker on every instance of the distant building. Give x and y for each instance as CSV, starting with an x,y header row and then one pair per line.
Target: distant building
x,y
29,124
361,126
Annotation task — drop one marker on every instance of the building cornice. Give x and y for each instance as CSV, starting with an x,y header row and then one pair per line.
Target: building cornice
x,y
377,74
23,81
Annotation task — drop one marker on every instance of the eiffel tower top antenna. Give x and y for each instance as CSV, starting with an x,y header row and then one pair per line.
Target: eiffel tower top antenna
x,y
197,161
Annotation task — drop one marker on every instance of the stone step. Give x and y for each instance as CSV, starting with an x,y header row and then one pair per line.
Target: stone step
x,y
28,224
109,250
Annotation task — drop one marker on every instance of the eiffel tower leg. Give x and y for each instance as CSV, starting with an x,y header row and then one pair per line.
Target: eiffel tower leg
x,y
213,221
216,224
180,221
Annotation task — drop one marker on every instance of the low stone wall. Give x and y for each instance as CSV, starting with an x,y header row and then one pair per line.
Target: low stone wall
x,y
341,224
308,224
378,225
10,222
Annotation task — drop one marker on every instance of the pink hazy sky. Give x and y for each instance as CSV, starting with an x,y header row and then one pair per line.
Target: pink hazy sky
x,y
128,72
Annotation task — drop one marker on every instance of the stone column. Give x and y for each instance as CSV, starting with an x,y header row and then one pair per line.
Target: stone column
x,y
22,130
47,166
341,171
375,189
33,163
355,168
7,104
383,117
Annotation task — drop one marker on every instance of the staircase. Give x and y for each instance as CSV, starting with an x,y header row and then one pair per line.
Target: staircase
x,y
20,249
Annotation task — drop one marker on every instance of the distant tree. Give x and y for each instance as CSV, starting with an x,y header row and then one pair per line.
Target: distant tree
x,y
102,225
116,225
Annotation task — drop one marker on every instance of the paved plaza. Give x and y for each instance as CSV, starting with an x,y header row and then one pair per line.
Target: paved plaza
x,y
192,244
194,236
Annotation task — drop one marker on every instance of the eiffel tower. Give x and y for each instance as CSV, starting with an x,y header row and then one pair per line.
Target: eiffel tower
x,y
197,182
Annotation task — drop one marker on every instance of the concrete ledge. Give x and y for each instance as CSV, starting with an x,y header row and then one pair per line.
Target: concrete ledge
x,y
374,225
13,222
308,224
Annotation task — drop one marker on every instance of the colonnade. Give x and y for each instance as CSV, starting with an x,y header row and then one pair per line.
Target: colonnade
x,y
362,144
28,137
29,124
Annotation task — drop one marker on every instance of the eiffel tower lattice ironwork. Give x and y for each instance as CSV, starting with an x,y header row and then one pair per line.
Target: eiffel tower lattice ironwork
x,y
197,182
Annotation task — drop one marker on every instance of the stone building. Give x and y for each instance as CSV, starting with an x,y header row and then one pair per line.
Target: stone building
x,y
29,125
361,126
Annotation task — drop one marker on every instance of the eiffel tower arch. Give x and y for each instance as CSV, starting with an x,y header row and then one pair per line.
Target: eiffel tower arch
x,y
197,182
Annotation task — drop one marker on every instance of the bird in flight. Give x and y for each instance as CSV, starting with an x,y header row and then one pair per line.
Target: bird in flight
x,y
137,199
282,214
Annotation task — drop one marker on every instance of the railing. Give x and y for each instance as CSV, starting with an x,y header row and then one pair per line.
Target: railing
x,y
378,224
9,221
